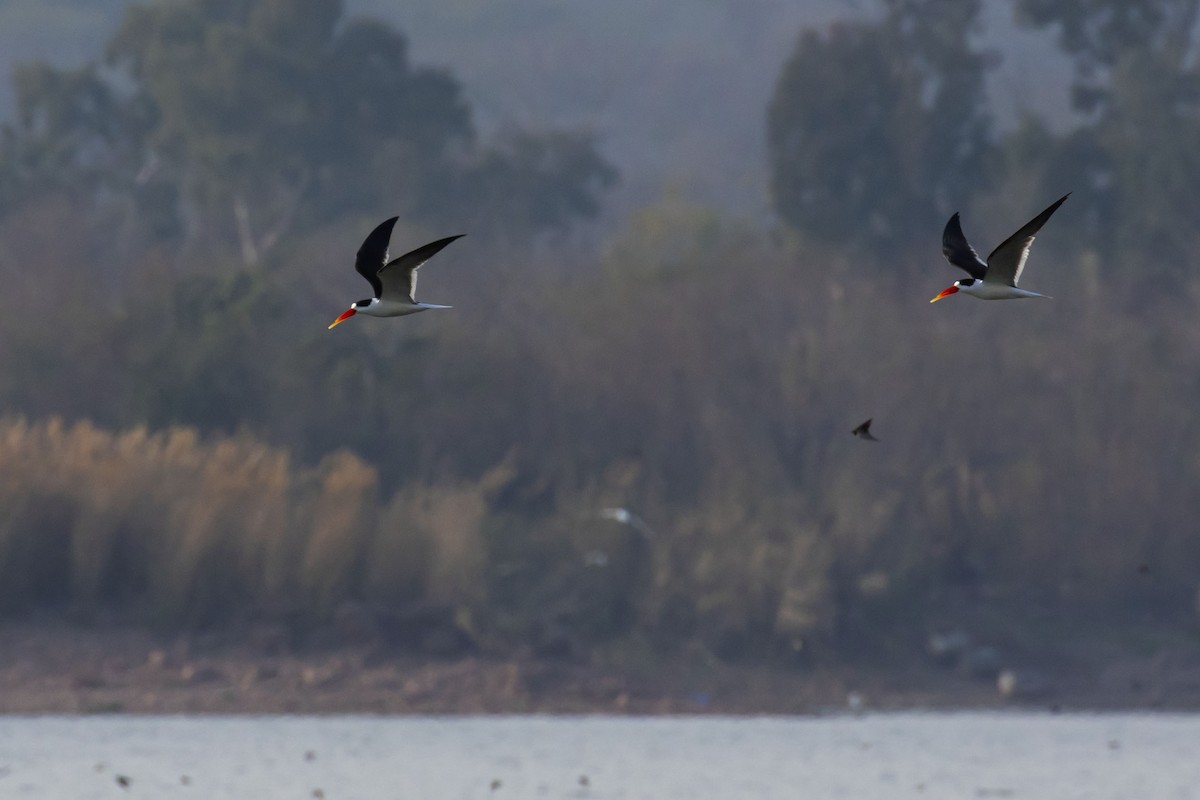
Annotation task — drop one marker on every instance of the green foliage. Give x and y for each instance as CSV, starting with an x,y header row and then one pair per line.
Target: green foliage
x,y
874,127
1137,81
536,182
1099,33
186,358
70,132
233,123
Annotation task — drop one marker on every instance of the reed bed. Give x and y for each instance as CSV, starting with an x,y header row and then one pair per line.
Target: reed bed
x,y
182,527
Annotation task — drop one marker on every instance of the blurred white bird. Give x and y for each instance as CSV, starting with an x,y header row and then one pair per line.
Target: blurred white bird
x,y
627,517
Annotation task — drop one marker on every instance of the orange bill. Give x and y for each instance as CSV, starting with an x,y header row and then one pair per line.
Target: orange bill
x,y
347,314
949,290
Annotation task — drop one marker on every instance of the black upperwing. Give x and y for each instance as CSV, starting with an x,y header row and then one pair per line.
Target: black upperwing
x,y
373,254
864,431
959,252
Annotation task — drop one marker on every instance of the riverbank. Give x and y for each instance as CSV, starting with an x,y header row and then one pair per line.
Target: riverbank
x,y
59,668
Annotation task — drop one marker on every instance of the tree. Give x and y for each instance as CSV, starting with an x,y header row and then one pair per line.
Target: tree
x,y
1139,88
265,106
536,182
72,131
240,119
1099,33
877,127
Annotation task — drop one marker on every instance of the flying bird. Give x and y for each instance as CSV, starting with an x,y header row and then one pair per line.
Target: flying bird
x,y
995,279
394,282
627,517
864,432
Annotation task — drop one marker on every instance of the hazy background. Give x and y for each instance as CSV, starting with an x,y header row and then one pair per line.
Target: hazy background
x,y
702,240
667,86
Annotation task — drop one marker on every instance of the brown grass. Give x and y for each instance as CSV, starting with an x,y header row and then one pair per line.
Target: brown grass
x,y
193,529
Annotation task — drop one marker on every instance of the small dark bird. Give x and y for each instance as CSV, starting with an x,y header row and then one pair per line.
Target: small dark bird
x,y
496,784
123,781
395,281
583,781
310,755
864,432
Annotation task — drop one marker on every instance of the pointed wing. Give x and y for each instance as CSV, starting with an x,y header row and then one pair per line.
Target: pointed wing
x,y
373,254
399,277
864,431
1007,261
959,252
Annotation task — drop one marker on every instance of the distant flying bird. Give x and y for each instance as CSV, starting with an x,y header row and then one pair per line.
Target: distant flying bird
x,y
394,282
997,278
627,517
864,432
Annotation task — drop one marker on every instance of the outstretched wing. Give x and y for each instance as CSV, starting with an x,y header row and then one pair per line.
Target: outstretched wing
x,y
1007,261
959,252
399,277
373,254
864,432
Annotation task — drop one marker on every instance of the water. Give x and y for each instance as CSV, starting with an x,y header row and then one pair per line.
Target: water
x,y
928,756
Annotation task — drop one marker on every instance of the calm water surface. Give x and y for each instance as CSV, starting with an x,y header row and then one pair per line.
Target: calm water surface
x,y
965,755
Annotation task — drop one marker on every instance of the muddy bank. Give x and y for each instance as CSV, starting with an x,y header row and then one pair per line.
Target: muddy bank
x,y
56,667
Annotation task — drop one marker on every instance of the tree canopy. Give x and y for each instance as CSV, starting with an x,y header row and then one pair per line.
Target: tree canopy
x,y
238,119
1137,86
875,128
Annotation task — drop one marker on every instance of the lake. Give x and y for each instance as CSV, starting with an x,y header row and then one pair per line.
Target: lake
x,y
873,757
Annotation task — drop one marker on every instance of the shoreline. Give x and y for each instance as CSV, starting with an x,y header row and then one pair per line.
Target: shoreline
x,y
60,668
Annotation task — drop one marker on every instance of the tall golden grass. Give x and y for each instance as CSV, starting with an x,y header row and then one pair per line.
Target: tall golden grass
x,y
185,528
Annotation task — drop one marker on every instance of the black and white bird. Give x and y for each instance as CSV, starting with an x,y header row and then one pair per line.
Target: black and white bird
x,y
995,279
394,282
864,432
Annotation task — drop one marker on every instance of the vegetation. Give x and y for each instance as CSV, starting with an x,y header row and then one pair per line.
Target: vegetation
x,y
187,444
239,122
875,169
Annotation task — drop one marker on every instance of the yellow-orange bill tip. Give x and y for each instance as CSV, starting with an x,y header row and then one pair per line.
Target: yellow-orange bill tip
x,y
347,314
945,293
